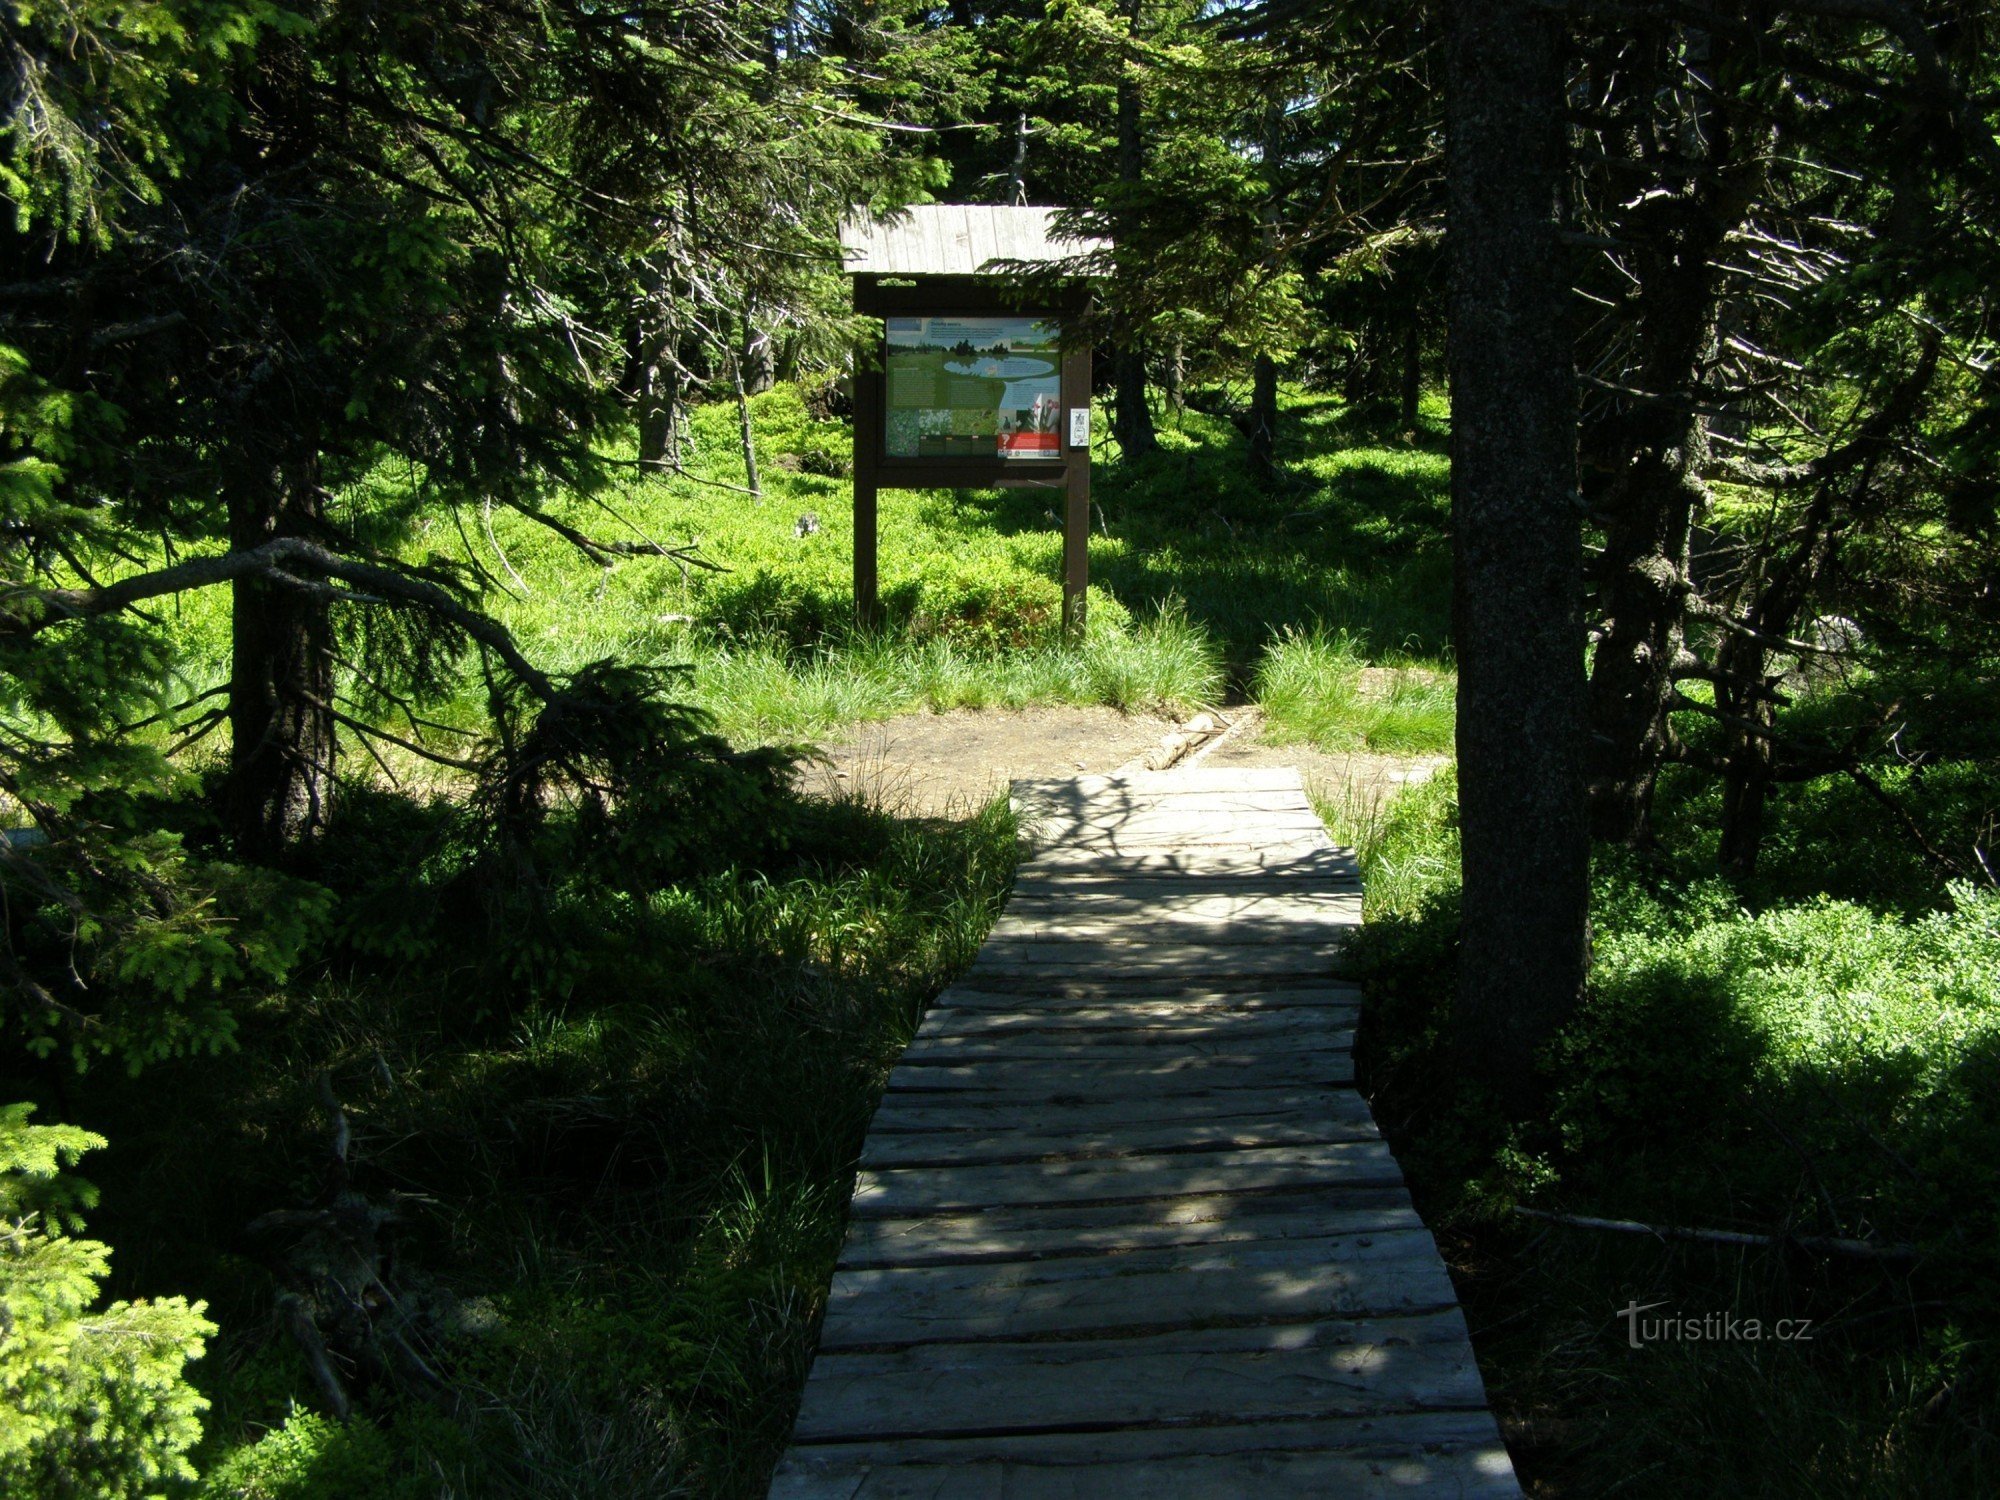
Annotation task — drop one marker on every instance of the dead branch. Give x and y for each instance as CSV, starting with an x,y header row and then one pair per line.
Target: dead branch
x,y
1824,1244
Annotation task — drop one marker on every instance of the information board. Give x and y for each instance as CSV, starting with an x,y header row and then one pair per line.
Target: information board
x,y
972,388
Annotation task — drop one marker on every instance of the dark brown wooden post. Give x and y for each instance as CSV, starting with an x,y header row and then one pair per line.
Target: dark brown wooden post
x,y
867,594
867,446
1076,481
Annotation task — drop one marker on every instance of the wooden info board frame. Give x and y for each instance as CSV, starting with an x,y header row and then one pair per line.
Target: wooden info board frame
x,y
875,470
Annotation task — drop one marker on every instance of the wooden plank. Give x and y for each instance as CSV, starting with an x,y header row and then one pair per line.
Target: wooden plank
x,y
1144,851
1172,930
1141,1291
1058,1231
1261,1373
1064,1142
1179,896
1055,987
1252,799
1374,1457
1278,825
1276,912
837,1473
1062,966
1049,1084
1187,813
1089,1112
1251,992
901,1193
1134,1044
1196,781
1301,860
1315,865
1200,905
1192,1020
1033,886
1153,956
1172,830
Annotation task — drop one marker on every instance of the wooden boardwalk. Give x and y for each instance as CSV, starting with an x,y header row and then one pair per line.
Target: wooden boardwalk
x,y
1123,1225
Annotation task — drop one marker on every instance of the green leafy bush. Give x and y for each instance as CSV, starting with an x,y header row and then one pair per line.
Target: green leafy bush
x,y
93,1403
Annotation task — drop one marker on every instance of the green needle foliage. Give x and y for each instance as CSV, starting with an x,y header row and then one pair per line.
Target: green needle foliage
x,y
94,1400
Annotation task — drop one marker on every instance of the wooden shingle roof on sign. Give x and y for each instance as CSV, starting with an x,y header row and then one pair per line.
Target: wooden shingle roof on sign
x,y
955,239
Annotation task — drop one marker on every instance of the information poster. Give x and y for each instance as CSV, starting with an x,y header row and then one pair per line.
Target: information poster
x,y
972,388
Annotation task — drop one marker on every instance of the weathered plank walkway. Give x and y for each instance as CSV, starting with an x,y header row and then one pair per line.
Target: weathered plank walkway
x,y
1123,1225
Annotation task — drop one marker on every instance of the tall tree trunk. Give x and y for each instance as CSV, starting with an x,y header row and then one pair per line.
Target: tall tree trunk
x,y
757,360
749,432
281,680
1174,383
1263,430
1359,373
1642,606
1517,542
1413,371
1131,420
656,399
1017,173
1746,783
1648,447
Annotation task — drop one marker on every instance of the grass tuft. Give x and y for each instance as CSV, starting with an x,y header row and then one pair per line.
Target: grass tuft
x,y
1317,686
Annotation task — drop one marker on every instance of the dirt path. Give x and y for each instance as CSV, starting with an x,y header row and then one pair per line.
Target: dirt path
x,y
948,765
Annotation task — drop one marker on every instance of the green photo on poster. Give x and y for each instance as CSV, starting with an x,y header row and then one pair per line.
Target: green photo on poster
x,y
972,388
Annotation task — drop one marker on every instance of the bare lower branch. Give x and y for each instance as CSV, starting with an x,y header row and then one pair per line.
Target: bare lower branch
x,y
288,561
602,552
1866,1249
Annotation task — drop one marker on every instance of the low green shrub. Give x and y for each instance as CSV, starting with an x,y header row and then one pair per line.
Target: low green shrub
x,y
1816,1067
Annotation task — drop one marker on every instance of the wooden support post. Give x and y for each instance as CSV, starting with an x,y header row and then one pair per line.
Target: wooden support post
x,y
867,449
867,597
1076,483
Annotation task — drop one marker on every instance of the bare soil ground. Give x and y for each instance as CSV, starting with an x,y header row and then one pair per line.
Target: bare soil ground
x,y
949,765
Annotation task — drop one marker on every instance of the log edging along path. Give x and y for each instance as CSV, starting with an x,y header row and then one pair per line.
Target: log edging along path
x,y
1123,1225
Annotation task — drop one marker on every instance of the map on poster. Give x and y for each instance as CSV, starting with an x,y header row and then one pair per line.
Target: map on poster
x,y
972,388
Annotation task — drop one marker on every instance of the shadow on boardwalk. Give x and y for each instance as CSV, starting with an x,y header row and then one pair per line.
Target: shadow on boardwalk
x,y
1123,1224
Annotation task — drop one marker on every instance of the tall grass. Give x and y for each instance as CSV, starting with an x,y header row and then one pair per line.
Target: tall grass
x,y
1204,585
761,690
1316,685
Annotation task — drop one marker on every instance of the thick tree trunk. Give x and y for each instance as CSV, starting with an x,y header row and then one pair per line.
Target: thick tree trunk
x,y
1747,782
1131,419
1517,543
1263,429
656,401
281,682
1647,449
1642,602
